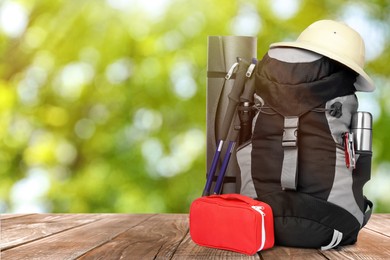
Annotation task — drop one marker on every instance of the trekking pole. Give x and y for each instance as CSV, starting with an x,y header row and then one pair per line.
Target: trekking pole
x,y
245,109
233,101
213,168
234,97
225,163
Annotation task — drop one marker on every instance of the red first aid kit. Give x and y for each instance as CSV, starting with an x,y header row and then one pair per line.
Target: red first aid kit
x,y
232,222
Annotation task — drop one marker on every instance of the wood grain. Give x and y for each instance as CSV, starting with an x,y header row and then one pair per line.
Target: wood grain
x,y
279,252
152,236
5,216
189,250
156,238
72,243
22,229
379,223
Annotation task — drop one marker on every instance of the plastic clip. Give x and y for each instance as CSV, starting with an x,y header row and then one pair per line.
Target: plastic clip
x,y
231,70
251,68
290,133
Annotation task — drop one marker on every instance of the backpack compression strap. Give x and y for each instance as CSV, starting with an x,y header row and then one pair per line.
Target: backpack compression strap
x,y
289,175
336,239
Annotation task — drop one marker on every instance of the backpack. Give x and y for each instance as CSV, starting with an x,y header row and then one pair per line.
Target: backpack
x,y
303,159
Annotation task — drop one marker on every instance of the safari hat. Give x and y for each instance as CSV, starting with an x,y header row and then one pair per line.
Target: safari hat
x,y
338,42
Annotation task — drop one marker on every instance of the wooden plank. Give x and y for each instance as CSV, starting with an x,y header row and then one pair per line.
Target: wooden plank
x,y
175,231
189,250
162,236
156,238
7,215
370,245
281,252
75,242
23,229
379,223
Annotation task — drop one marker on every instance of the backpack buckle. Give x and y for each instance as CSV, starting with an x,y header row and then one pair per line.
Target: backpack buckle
x,y
290,131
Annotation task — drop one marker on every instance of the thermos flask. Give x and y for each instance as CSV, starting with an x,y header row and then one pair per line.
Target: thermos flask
x,y
362,131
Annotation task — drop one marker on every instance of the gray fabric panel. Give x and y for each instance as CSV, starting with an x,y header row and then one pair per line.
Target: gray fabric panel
x,y
244,161
293,55
342,193
338,126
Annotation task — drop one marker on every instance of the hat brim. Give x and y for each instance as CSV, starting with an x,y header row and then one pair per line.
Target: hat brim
x,y
363,82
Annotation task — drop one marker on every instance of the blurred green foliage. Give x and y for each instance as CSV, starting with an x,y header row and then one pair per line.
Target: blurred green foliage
x,y
103,102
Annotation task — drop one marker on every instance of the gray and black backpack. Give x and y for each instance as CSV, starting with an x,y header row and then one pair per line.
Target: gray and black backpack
x,y
310,151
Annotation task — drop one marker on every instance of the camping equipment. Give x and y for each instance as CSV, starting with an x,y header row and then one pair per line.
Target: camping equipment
x,y
228,62
302,159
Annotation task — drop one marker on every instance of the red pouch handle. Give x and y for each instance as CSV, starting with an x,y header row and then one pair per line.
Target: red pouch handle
x,y
235,196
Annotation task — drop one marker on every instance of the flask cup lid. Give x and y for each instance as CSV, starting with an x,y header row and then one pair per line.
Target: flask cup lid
x,y
362,120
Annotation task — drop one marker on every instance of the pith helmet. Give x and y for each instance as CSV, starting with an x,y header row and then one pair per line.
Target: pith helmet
x,y
336,41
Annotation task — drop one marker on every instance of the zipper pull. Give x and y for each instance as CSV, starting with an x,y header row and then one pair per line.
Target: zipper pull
x,y
231,70
259,209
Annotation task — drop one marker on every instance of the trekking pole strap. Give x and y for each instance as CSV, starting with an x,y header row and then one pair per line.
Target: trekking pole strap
x,y
289,174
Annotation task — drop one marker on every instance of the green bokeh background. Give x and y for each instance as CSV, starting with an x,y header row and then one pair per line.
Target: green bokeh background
x,y
103,103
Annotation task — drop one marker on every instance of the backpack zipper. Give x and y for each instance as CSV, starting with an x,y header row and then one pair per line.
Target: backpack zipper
x,y
262,214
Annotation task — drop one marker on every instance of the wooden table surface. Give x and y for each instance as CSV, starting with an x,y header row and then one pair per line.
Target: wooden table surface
x,y
151,236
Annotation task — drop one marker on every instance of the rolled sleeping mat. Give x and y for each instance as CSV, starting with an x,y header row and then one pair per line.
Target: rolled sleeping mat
x,y
222,54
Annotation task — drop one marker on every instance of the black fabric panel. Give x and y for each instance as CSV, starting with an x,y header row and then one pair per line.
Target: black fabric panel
x,y
301,232
219,74
316,155
295,88
305,221
226,179
361,174
267,153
